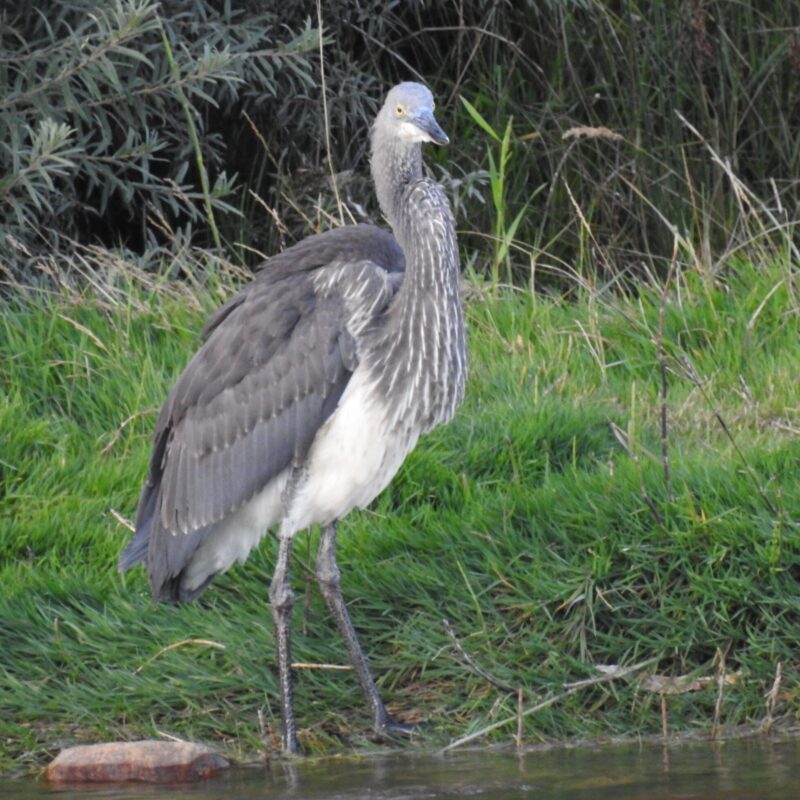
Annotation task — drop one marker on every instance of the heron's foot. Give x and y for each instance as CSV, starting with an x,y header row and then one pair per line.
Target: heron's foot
x,y
290,750
391,731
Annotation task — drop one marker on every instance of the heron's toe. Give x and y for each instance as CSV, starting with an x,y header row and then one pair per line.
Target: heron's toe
x,y
393,731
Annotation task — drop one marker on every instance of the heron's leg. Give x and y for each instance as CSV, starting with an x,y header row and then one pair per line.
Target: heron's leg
x,y
328,578
281,600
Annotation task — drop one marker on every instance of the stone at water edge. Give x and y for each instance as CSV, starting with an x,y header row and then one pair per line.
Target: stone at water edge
x,y
152,761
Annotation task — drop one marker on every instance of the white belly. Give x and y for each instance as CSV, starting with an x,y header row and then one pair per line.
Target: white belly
x,y
353,458
238,533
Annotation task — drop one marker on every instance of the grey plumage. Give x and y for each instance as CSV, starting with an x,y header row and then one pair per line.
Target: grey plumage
x,y
276,359
311,386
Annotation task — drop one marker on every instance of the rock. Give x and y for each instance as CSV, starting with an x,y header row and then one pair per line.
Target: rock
x,y
151,761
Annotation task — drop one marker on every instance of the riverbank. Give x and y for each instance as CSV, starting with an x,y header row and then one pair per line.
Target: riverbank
x,y
620,487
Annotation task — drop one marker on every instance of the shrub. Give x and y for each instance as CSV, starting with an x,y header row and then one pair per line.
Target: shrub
x,y
111,114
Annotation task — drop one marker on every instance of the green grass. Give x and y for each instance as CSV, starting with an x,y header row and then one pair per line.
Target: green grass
x,y
550,542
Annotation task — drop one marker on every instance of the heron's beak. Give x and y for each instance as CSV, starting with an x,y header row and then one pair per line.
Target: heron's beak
x,y
427,123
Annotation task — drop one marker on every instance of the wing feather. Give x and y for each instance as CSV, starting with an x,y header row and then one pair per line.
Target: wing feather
x,y
275,362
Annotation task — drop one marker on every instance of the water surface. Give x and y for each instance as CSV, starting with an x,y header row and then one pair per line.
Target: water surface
x,y
739,770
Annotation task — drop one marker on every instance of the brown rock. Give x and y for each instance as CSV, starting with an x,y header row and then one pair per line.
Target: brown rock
x,y
151,761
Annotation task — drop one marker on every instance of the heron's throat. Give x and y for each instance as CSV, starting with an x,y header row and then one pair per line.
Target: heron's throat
x,y
422,366
394,165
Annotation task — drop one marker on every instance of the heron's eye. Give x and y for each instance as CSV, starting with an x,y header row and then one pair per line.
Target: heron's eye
x,y
400,111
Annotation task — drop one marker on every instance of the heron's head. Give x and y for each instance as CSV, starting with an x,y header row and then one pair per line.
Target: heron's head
x,y
407,115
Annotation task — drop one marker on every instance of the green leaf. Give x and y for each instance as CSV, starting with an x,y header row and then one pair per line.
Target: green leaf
x,y
478,119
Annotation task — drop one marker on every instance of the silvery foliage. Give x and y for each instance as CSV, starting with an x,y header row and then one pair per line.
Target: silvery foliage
x,y
93,103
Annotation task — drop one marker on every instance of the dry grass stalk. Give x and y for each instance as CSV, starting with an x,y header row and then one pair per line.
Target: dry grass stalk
x,y
124,521
683,684
588,132
175,646
625,441
470,662
772,697
325,117
662,365
118,432
608,675
692,374
721,679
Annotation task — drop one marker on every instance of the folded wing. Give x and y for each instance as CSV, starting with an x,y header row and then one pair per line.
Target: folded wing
x,y
248,405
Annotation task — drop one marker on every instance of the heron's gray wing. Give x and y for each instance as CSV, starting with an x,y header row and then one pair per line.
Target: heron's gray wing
x,y
250,402
248,405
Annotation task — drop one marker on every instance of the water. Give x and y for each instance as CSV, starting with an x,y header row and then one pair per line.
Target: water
x,y
740,770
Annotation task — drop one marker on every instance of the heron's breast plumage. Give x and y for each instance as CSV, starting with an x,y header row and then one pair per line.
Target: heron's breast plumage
x,y
353,458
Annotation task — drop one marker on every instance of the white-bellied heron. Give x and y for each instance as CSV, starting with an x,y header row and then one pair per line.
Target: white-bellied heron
x,y
311,387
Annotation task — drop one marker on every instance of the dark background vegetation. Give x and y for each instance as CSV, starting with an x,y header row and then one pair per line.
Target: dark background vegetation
x,y
96,144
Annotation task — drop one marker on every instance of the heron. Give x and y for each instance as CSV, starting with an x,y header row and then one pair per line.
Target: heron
x,y
310,388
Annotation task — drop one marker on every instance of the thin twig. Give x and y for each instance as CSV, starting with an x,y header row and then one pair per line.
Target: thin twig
x,y
118,432
394,54
720,693
175,645
472,664
604,678
323,89
489,728
662,364
694,377
481,31
461,29
124,521
260,136
283,231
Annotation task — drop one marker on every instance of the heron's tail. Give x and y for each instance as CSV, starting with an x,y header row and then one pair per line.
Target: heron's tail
x,y
136,550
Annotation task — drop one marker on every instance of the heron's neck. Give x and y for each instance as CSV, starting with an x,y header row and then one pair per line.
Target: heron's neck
x,y
423,365
394,165
425,361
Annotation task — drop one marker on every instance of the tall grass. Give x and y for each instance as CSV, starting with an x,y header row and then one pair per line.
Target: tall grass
x,y
539,524
614,108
